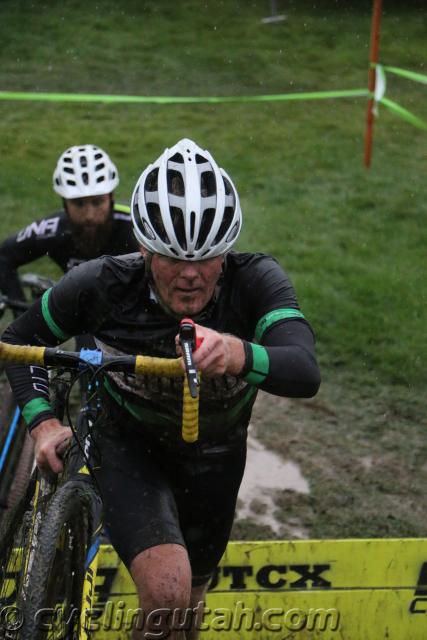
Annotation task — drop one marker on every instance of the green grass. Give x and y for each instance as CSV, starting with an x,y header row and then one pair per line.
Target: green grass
x,y
352,240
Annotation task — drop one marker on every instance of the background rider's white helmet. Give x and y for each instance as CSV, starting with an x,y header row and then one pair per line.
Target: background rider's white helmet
x,y
184,206
84,170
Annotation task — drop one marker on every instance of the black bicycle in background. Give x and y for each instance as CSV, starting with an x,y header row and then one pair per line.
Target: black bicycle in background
x,y
16,446
49,540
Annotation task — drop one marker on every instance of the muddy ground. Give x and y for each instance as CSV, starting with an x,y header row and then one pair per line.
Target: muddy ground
x,y
363,452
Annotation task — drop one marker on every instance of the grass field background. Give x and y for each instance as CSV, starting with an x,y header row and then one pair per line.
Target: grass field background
x,y
352,240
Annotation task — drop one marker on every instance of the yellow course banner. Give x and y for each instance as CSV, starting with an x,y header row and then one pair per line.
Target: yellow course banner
x,y
309,589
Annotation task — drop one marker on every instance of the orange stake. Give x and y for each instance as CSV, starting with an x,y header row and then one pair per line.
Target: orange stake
x,y
375,45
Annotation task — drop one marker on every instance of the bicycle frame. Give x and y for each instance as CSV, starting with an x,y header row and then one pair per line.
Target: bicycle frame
x,y
79,460
12,429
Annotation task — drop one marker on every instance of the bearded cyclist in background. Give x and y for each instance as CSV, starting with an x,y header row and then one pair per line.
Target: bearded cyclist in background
x,y
169,505
89,225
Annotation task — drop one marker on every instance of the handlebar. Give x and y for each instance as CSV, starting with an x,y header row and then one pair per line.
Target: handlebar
x,y
14,305
139,365
36,284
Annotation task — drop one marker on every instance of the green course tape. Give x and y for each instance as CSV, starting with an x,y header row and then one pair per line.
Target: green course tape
x,y
88,97
404,113
409,75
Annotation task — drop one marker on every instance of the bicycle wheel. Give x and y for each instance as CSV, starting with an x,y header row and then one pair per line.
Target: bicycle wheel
x,y
15,539
22,471
56,577
16,452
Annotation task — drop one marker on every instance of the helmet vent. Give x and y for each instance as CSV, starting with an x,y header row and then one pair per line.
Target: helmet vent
x,y
225,224
150,182
100,179
207,184
83,161
227,186
99,166
179,226
98,156
71,183
192,224
69,170
177,158
175,183
233,233
85,178
146,231
155,217
205,227
200,159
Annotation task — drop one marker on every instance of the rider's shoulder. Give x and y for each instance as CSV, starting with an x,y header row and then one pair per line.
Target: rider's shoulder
x,y
120,268
102,274
119,264
249,263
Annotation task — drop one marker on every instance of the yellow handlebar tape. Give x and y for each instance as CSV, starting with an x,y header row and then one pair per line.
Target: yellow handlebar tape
x,y
159,366
190,414
20,354
173,369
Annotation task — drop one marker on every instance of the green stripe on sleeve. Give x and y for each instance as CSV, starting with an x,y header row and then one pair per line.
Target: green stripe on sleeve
x,y
123,208
260,366
34,407
57,332
273,316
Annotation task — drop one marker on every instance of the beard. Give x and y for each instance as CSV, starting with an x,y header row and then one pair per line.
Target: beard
x,y
91,240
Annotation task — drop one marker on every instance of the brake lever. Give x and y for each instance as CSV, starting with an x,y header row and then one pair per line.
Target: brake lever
x,y
188,342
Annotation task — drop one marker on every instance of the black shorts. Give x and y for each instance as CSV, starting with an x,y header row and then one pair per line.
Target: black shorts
x,y
155,496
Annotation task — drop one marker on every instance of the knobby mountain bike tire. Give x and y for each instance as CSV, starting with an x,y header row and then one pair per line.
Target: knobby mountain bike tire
x,y
16,453
22,471
15,536
57,575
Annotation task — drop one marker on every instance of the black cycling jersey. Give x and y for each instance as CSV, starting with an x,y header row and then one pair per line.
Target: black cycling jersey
x,y
112,299
53,236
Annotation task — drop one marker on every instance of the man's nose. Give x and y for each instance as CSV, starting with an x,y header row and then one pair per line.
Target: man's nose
x,y
90,213
190,271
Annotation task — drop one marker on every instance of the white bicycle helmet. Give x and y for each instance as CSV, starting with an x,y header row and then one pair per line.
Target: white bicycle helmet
x,y
84,170
184,206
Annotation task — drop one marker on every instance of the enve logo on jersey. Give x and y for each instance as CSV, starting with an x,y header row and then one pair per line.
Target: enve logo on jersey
x,y
45,228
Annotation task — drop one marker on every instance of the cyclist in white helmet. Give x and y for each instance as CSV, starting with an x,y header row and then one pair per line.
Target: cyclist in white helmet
x,y
90,223
169,505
